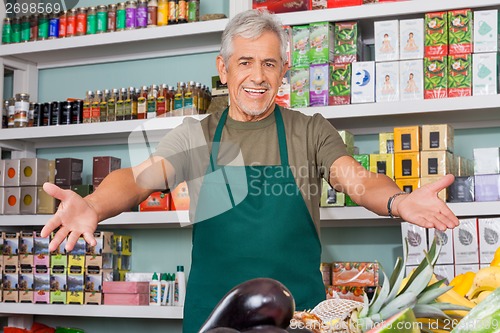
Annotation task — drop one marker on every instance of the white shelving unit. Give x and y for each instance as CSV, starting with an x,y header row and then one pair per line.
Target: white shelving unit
x,y
195,38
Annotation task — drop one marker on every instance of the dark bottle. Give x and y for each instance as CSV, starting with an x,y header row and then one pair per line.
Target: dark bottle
x,y
56,113
65,113
46,114
77,112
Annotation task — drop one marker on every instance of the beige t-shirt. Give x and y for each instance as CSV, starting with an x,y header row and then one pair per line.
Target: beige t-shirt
x,y
313,145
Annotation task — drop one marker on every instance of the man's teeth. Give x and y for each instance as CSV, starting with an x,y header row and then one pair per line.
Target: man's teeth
x,y
261,91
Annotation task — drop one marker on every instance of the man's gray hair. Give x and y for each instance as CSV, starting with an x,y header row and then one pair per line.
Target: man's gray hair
x,y
252,24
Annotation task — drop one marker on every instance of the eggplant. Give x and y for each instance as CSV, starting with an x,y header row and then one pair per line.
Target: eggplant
x,y
223,330
256,302
265,329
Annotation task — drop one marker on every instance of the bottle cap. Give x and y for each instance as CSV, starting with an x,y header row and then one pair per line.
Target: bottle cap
x,y
180,268
163,277
155,276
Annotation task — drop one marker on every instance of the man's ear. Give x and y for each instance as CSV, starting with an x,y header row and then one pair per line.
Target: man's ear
x,y
221,68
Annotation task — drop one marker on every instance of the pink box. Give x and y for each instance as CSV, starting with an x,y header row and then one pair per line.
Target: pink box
x,y
125,287
126,299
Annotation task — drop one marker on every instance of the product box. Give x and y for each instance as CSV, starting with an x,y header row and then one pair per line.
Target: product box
x,y
465,242
45,203
435,163
340,84
299,97
93,282
12,198
411,39
407,139
82,190
68,171
321,42
386,143
489,240
460,31
352,293
123,245
180,197
26,287
486,161
58,297
461,168
76,264
283,94
444,272
34,171
438,137
2,172
156,201
2,200
435,77
445,240
319,85
408,185
348,139
122,262
125,287
10,292
93,297
94,264
126,299
363,82
386,40
12,174
41,259
75,288
41,288
10,252
417,242
59,258
363,159
411,80
406,165
319,4
387,81
459,75
58,288
330,197
487,187
486,31
288,31
382,163
103,166
436,34
26,248
300,45
347,45
105,243
485,74
52,171
443,194
280,6
344,3
358,274
464,268
28,199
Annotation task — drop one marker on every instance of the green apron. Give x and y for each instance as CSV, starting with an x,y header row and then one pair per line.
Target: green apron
x,y
266,231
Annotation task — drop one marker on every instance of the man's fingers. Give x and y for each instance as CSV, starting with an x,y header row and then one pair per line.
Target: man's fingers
x,y
55,191
442,183
89,238
50,226
72,239
58,238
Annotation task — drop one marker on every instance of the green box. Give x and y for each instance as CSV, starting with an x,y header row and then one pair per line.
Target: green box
x,y
436,77
330,197
347,42
320,42
299,91
58,297
363,159
300,45
436,34
459,75
83,190
460,31
340,84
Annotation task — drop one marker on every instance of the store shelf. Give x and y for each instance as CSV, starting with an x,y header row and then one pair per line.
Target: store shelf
x,y
361,217
371,118
112,311
382,11
117,132
171,40
170,219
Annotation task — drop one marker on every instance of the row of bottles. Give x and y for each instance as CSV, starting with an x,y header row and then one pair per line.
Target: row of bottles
x,y
146,102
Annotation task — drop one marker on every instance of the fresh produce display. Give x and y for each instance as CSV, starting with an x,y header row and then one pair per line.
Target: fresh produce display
x,y
404,322
484,318
463,282
259,305
486,279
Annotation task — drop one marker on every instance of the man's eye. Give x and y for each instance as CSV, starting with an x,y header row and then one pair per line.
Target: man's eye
x,y
269,64
244,63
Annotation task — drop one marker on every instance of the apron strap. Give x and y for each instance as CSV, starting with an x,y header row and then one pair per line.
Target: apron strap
x,y
280,127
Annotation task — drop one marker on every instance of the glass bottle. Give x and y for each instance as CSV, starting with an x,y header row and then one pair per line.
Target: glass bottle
x,y
6,31
172,11
182,11
71,22
152,95
102,19
119,105
193,11
21,109
152,13
171,100
196,97
179,99
142,14
142,106
95,107
104,106
121,16
112,105
188,99
133,99
11,113
162,18
161,100
87,102
127,105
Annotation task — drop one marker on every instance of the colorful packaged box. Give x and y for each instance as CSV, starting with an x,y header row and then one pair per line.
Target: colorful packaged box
x,y
486,31
10,252
125,287
387,81
41,286
283,94
386,142
347,46
123,245
435,163
411,39
326,273
76,264
45,203
363,82
486,188
435,77
319,84
12,174
352,293
466,242
321,42
93,282
445,240
299,87
280,6
460,31
103,166
41,259
340,84
75,288
485,73
26,248
443,194
461,190
58,288
300,45
408,185
126,299
330,197
438,137
344,3
486,160
382,163
407,165
12,201
417,242
34,171
26,287
319,4
436,34
446,272
28,200
407,139
104,243
489,240
288,32
68,171
93,297
459,75
411,80
386,40
359,274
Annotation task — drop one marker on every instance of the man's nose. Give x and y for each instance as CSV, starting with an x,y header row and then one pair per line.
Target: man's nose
x,y
257,74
